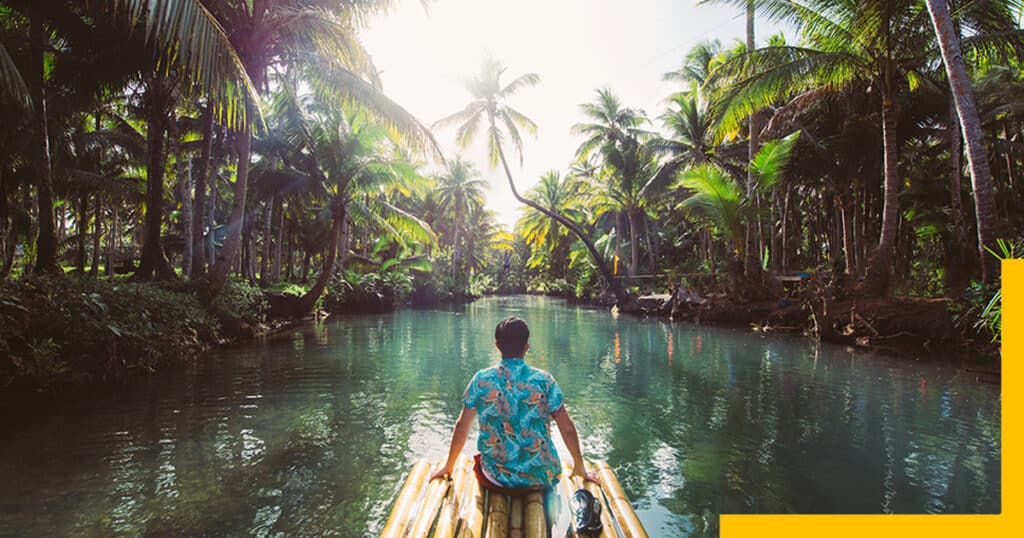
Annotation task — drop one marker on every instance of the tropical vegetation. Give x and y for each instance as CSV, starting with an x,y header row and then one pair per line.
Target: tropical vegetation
x,y
243,157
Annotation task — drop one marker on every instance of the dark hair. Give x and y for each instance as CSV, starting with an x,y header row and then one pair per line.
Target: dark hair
x,y
511,336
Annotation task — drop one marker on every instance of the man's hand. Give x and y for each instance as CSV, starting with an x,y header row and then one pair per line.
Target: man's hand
x,y
444,470
579,470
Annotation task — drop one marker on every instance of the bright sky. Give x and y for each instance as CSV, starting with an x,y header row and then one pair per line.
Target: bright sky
x,y
576,46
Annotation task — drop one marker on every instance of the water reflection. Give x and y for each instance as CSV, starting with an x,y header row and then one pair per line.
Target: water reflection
x,y
310,432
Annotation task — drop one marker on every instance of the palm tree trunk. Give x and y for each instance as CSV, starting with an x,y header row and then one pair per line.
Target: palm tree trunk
x,y
153,262
97,232
751,233
955,167
634,252
268,226
275,270
879,271
83,224
199,205
626,301
218,276
977,160
308,301
46,241
848,250
455,243
7,238
184,173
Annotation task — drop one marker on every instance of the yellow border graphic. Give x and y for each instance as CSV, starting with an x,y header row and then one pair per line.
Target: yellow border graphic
x,y
959,526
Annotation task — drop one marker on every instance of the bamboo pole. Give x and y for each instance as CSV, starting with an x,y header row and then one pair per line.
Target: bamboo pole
x,y
536,525
497,515
427,513
607,523
567,487
620,507
449,513
407,498
472,510
515,518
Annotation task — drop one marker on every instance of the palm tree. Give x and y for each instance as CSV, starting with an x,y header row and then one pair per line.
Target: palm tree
x,y
614,132
719,196
459,191
348,164
488,105
318,37
548,240
872,43
967,111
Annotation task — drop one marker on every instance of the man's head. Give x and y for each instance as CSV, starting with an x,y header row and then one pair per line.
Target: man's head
x,y
511,336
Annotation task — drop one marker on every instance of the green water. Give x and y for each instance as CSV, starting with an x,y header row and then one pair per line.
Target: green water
x,y
310,432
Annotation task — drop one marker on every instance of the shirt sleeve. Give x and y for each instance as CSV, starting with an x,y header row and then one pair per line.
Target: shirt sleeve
x,y
471,395
554,395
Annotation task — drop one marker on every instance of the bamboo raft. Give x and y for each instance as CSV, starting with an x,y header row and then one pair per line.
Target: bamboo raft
x,y
460,508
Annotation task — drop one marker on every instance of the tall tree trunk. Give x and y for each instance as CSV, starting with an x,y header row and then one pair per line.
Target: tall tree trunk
x,y
634,250
184,172
955,167
82,228
275,270
46,241
456,224
97,232
878,276
308,301
7,238
268,227
199,205
846,213
626,301
218,276
977,160
751,233
210,245
153,263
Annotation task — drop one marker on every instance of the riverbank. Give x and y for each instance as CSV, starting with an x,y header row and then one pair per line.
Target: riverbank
x,y
920,328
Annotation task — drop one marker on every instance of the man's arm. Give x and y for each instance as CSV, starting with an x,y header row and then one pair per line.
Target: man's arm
x,y
572,442
462,427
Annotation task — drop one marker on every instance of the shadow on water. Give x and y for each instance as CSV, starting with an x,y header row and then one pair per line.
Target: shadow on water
x,y
310,432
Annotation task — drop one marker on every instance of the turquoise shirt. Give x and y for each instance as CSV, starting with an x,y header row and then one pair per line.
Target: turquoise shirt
x,y
514,401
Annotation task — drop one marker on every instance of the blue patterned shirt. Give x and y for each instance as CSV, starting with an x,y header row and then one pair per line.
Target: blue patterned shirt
x,y
514,401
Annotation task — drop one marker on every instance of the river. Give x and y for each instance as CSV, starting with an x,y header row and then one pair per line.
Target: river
x,y
309,432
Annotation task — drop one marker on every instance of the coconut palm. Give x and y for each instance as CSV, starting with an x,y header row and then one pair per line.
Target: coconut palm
x,y
614,133
349,164
318,37
719,195
488,105
547,239
460,190
967,111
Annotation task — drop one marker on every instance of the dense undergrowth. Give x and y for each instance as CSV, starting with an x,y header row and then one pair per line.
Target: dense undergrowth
x,y
79,329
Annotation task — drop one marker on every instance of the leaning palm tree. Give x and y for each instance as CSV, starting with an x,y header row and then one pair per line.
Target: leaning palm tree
x,y
967,110
502,120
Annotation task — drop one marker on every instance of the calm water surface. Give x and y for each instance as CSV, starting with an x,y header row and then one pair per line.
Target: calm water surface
x,y
310,432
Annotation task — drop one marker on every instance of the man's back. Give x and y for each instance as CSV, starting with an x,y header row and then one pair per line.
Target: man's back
x,y
514,402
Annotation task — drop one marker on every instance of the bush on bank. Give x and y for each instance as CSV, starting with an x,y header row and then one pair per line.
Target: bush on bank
x,y
81,329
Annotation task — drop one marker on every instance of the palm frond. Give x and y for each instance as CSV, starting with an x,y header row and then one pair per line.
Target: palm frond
x,y
11,83
186,31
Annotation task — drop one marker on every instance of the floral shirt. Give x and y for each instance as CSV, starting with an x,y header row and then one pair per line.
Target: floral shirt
x,y
514,401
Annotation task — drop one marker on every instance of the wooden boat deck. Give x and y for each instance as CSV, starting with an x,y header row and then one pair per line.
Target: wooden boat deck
x,y
460,508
